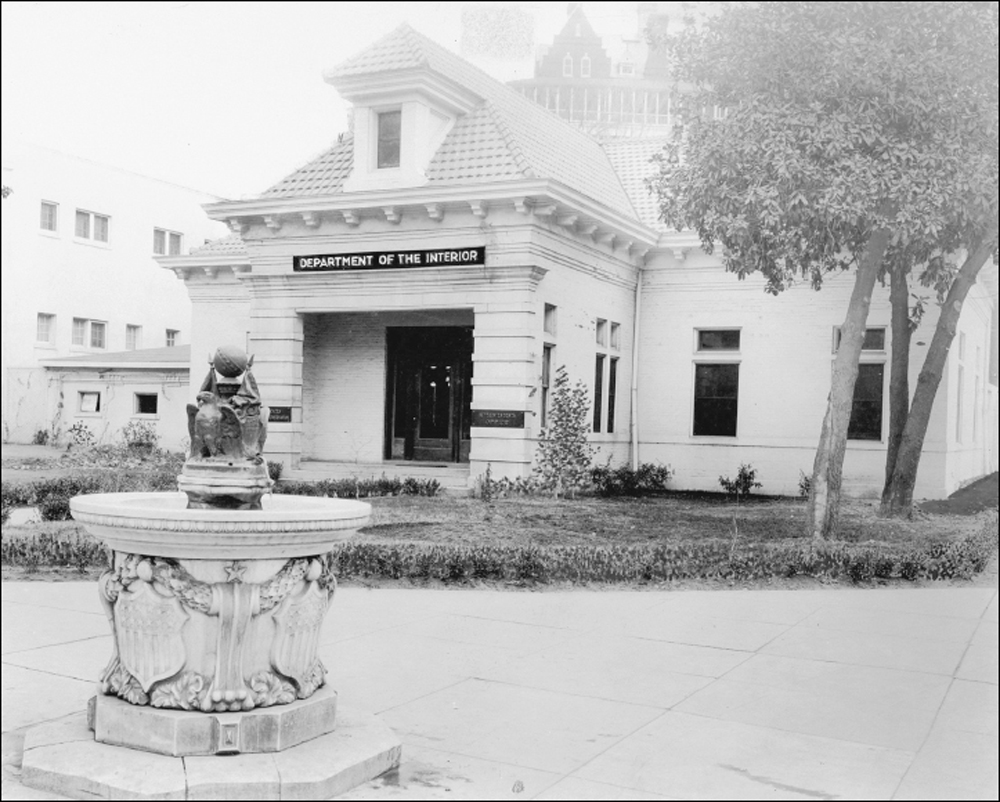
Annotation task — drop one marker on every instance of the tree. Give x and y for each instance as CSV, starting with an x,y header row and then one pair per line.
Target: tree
x,y
824,137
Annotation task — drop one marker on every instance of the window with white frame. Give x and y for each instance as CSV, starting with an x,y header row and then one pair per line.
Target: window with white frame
x,y
548,354
89,401
92,226
98,334
389,134
716,382
45,328
605,375
133,337
49,216
89,333
166,243
585,66
172,337
567,66
146,403
867,406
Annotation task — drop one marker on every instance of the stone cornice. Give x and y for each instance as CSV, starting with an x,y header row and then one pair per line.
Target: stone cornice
x,y
209,264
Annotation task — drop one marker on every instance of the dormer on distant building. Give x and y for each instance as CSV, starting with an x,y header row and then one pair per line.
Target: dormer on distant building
x,y
576,52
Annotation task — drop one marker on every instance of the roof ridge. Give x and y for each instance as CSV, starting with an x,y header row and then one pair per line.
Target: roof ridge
x,y
516,151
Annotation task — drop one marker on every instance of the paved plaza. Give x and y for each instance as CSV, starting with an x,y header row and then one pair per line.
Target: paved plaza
x,y
804,694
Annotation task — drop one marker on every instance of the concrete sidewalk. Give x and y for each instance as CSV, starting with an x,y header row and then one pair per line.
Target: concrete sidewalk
x,y
859,694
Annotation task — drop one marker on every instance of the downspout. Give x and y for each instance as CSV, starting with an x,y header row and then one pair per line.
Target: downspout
x,y
634,390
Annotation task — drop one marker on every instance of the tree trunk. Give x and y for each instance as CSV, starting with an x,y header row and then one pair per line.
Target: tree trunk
x,y
824,493
900,498
899,372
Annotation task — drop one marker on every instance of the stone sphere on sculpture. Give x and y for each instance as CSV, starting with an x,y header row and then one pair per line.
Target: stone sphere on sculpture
x,y
230,361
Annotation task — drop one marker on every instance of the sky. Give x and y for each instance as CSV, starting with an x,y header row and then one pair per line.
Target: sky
x,y
224,97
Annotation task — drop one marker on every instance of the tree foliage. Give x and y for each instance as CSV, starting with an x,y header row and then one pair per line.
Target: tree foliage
x,y
819,137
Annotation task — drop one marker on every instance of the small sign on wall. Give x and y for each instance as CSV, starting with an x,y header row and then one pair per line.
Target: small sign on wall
x,y
498,418
280,415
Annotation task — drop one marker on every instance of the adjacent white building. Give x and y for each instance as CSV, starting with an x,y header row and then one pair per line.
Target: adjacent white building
x,y
409,295
80,281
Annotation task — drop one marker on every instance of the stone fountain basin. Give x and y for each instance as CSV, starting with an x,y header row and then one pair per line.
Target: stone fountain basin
x,y
161,525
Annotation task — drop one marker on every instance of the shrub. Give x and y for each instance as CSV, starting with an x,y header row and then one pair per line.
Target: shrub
x,y
562,464
361,488
274,470
41,438
647,478
745,481
805,484
140,436
81,436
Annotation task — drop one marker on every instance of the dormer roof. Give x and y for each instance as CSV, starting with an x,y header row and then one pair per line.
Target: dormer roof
x,y
500,136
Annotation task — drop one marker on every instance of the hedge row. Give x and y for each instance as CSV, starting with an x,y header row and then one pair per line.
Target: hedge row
x,y
361,488
457,563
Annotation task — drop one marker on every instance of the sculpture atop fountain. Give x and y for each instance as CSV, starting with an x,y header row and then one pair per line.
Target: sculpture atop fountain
x,y
228,426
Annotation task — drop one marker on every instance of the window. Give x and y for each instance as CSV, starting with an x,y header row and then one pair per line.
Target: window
x,y
133,337
718,339
567,66
866,409
626,68
166,242
602,332
79,331
45,328
612,393
98,332
92,226
546,380
874,340
389,130
616,338
549,320
145,403
716,393
598,390
89,401
49,216
585,67
172,335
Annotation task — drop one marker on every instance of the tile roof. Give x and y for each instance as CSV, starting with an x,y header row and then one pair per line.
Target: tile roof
x,y
324,175
178,356
506,137
632,160
233,244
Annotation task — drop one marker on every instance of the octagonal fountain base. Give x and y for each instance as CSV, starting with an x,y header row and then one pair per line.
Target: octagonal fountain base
x,y
62,756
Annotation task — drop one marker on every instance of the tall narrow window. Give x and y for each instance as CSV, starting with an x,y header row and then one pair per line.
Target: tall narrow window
x,y
866,409
598,390
175,244
585,67
172,335
79,331
101,227
83,225
133,337
50,216
612,393
601,332
45,328
716,397
98,334
159,242
567,66
546,381
549,322
389,130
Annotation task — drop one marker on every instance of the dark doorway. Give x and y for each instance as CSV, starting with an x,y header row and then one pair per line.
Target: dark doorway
x,y
429,393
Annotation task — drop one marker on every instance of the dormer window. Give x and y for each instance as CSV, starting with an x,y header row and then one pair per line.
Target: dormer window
x,y
389,126
585,67
568,66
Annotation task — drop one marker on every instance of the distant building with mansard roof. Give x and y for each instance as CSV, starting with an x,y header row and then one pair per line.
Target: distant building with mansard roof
x,y
410,294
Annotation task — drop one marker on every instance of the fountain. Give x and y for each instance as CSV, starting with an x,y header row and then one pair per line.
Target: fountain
x,y
216,597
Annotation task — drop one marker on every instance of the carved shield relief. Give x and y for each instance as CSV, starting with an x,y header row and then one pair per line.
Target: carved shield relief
x,y
299,619
148,629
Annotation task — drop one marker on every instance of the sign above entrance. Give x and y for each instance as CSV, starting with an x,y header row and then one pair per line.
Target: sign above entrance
x,y
390,260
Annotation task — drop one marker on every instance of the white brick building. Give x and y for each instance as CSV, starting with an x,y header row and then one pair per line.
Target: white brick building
x,y
409,294
80,281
